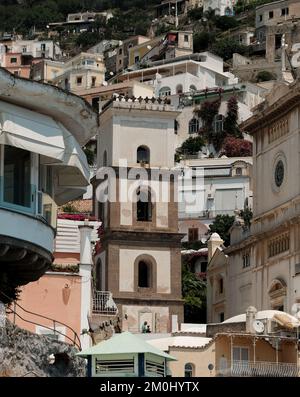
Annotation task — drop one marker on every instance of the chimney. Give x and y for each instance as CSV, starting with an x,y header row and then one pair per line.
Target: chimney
x,y
86,262
250,317
213,243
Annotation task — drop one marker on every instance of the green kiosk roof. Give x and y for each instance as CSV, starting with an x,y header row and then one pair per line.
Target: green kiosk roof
x,y
124,343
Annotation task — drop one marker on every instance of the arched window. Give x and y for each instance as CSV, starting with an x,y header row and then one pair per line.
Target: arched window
x,y
189,370
144,205
144,275
239,171
193,88
165,91
193,126
218,123
179,89
105,158
143,155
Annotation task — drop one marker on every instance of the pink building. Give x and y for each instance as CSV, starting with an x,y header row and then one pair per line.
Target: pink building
x,y
64,292
18,64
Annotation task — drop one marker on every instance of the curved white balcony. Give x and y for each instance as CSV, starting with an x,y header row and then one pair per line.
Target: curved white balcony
x,y
27,228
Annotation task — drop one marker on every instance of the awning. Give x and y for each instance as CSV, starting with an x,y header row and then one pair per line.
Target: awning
x,y
286,320
41,134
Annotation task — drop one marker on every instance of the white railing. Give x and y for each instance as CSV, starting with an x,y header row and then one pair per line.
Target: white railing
x,y
260,369
103,303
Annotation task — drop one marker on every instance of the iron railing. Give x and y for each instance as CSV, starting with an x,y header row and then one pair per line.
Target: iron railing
x,y
103,303
259,369
75,340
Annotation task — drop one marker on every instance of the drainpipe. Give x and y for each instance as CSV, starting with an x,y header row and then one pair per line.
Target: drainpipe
x,y
85,272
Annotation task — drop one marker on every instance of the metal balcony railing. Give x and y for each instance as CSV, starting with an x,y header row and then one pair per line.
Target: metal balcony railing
x,y
103,303
259,369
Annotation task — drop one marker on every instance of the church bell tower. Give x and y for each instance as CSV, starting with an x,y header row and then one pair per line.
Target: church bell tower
x,y
140,257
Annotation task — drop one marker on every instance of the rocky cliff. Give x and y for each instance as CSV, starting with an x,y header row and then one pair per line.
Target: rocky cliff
x,y
23,353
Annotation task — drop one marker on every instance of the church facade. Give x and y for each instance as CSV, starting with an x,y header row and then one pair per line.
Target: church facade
x,y
262,265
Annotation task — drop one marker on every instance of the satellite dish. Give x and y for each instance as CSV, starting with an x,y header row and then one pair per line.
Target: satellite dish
x,y
295,308
258,326
210,367
105,83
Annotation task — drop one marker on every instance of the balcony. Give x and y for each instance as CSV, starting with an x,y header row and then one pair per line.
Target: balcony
x,y
104,304
259,369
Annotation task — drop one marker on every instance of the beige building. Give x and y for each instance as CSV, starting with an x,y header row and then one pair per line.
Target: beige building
x,y
82,72
139,261
253,344
98,96
261,267
273,20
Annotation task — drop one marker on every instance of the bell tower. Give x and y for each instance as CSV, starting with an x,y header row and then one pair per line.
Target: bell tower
x,y
140,257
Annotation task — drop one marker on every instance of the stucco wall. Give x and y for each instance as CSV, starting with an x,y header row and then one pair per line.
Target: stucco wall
x,y
199,358
56,296
127,261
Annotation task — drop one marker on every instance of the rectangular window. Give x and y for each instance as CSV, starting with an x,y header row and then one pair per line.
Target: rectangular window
x,y
43,47
13,60
221,286
221,317
17,176
79,80
240,354
186,38
45,179
246,260
136,59
260,18
94,81
193,234
120,51
271,14
284,11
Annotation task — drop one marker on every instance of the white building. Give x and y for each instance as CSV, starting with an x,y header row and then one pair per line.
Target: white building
x,y
223,185
37,49
187,73
188,123
221,7
42,165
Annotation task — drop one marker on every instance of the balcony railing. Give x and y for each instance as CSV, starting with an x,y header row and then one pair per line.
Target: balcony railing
x,y
103,303
260,369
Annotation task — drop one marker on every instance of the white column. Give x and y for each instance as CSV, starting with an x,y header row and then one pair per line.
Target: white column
x,y
86,262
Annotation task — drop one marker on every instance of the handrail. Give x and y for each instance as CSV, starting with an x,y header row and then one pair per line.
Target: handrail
x,y
76,341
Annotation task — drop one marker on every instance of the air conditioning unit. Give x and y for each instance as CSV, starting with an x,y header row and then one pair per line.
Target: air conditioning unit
x,y
210,196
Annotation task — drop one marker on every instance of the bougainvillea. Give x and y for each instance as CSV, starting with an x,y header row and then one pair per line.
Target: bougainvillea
x,y
236,147
76,217
207,112
231,120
